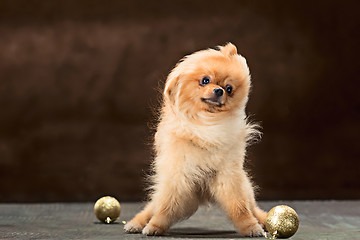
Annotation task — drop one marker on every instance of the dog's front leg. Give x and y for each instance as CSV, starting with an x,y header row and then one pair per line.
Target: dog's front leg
x,y
173,200
233,191
137,224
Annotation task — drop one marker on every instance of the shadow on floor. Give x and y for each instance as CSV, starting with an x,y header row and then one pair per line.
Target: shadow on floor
x,y
201,233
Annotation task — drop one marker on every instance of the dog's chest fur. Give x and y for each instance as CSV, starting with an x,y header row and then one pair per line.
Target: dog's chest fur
x,y
202,151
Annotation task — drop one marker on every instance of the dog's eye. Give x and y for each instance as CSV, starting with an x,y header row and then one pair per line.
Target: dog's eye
x,y
205,80
228,89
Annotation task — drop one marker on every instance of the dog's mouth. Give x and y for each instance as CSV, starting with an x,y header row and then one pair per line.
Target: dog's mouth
x,y
213,101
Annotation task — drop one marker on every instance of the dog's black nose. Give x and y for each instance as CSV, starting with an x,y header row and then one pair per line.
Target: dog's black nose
x,y
218,92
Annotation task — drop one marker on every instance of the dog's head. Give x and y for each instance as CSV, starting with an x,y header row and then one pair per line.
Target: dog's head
x,y
209,82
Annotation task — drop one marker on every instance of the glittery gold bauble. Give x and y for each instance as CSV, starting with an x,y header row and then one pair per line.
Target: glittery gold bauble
x,y
107,209
282,221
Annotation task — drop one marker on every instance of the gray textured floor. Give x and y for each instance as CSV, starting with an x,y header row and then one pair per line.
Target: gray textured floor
x,y
318,220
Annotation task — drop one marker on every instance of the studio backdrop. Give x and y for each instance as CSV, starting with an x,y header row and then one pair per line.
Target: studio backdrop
x,y
80,82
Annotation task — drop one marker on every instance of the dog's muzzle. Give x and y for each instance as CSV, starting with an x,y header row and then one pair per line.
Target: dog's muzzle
x,y
216,99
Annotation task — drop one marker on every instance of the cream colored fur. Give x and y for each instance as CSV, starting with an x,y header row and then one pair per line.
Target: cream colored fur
x,y
200,148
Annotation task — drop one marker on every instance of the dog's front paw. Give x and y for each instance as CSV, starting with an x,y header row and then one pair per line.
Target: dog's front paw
x,y
152,230
254,230
133,227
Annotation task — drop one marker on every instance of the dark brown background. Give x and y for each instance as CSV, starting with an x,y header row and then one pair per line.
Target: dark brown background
x,y
78,80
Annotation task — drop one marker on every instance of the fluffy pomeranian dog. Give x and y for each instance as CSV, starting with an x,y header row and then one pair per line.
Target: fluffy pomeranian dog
x,y
200,145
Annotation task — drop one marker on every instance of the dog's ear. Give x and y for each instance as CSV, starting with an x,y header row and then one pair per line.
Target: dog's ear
x,y
228,50
170,86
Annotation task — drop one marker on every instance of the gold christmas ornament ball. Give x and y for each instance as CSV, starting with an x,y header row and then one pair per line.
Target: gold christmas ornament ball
x,y
107,209
282,221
